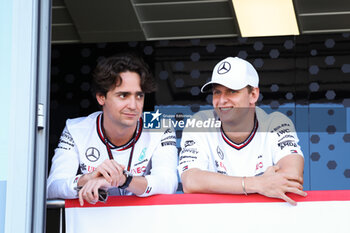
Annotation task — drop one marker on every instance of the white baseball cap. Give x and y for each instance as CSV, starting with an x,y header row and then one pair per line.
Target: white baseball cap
x,y
234,73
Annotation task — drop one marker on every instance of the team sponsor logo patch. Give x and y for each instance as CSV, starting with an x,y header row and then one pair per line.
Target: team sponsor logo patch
x,y
185,161
187,157
189,150
169,137
258,166
279,127
259,174
220,153
141,162
169,143
220,165
222,172
287,143
282,131
185,168
148,190
91,168
286,136
142,154
168,131
216,163
82,166
189,143
66,141
92,154
67,136
138,170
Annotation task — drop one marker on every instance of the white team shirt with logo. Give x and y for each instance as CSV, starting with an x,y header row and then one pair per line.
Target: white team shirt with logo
x,y
272,138
81,150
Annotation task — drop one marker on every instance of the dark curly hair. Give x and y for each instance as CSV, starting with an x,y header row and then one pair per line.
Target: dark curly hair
x,y
106,76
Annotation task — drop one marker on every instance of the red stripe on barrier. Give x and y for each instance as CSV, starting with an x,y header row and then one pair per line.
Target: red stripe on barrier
x,y
181,199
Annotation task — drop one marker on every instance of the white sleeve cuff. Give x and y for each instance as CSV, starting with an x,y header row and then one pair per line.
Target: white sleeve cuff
x,y
149,190
74,184
159,185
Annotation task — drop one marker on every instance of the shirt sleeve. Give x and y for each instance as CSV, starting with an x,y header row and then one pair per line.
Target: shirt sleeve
x,y
163,176
63,177
284,138
194,152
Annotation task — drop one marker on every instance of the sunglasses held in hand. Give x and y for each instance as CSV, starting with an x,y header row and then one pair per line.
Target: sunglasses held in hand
x,y
102,194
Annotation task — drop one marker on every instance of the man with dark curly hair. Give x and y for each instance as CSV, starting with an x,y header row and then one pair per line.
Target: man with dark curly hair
x,y
110,149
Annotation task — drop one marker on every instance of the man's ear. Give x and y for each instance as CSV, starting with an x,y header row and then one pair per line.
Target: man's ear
x,y
100,98
254,95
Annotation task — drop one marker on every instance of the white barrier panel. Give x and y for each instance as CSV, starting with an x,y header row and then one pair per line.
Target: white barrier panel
x,y
320,211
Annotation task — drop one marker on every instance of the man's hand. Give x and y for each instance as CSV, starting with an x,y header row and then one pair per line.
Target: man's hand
x,y
110,170
274,184
89,191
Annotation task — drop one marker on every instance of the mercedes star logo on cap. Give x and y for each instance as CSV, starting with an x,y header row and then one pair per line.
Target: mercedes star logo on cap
x,y
224,68
92,154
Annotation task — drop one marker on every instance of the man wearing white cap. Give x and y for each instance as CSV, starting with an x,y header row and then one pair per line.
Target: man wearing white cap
x,y
252,151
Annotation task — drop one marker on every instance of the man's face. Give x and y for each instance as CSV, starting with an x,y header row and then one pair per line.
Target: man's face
x,y
123,105
233,105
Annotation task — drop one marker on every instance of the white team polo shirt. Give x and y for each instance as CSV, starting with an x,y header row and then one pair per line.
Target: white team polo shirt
x,y
272,138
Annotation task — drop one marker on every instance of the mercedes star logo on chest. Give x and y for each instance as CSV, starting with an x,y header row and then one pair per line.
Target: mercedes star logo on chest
x,y
92,154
